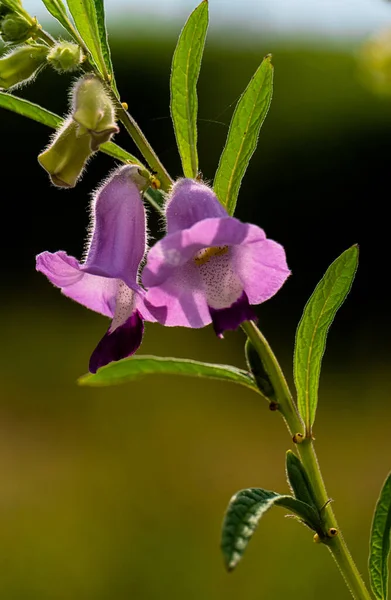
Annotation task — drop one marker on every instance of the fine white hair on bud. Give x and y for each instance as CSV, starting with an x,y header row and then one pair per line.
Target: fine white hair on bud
x,y
65,57
21,65
66,155
93,110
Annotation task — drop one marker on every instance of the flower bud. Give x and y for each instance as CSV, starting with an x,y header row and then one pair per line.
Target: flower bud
x,y
15,29
65,57
93,110
20,65
66,156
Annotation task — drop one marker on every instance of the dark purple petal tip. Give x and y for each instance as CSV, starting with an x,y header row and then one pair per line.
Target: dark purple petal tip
x,y
122,342
233,316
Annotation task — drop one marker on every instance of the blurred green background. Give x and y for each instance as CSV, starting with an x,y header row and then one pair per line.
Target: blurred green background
x,y
119,493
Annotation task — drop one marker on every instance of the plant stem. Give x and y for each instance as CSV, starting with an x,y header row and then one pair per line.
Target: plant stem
x,y
286,406
336,545
306,450
144,146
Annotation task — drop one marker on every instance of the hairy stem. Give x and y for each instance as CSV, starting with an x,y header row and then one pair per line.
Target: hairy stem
x,y
306,450
144,146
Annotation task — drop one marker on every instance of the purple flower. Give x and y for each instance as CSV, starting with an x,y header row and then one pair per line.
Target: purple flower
x,y
107,281
209,267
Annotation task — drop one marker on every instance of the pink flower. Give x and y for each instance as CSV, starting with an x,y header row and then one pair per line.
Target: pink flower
x,y
210,267
107,281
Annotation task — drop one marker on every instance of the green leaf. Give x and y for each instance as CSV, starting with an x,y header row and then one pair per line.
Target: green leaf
x,y
379,546
243,514
311,333
186,65
30,110
129,369
104,42
14,5
247,120
117,152
257,368
299,480
58,10
86,21
46,117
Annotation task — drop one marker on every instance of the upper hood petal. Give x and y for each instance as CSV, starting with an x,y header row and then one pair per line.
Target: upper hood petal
x,y
191,201
118,238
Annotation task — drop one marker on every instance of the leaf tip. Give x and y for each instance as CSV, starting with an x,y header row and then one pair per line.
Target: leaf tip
x,y
231,563
268,58
355,250
83,379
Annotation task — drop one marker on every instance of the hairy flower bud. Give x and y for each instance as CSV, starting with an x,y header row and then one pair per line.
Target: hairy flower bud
x,y
93,110
66,156
20,65
65,57
15,29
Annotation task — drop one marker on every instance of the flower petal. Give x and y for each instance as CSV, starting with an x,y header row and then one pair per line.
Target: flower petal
x,y
94,292
118,239
122,342
233,316
176,249
180,300
191,201
261,266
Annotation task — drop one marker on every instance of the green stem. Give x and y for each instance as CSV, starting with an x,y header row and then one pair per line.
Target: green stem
x,y
286,406
288,409
144,146
45,37
336,545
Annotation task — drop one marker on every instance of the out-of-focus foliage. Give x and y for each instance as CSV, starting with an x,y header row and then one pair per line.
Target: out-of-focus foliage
x,y
375,62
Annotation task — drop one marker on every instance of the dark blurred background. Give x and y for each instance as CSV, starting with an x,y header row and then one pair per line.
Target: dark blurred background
x,y
119,492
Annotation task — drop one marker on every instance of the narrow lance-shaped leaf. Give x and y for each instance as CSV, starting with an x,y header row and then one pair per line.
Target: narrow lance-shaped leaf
x,y
84,15
186,65
250,113
58,10
133,368
311,333
243,514
299,481
46,117
104,42
379,546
